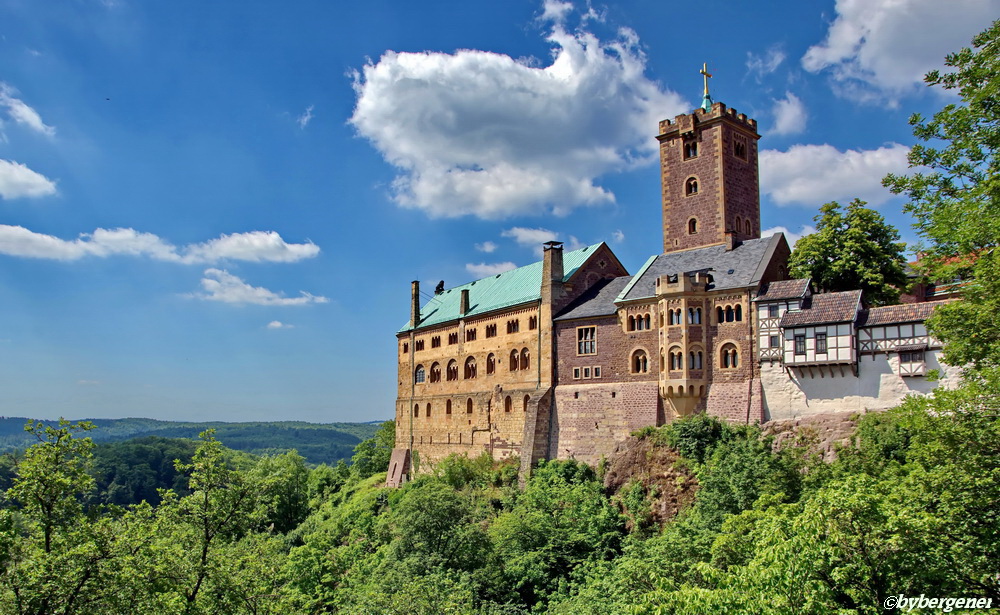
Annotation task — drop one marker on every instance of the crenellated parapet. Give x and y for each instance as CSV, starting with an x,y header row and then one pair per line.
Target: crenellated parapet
x,y
683,124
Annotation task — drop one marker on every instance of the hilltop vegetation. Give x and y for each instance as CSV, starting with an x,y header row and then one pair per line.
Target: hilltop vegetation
x,y
317,442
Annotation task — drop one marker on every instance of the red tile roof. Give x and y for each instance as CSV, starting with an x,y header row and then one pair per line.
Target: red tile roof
x,y
825,308
783,289
895,314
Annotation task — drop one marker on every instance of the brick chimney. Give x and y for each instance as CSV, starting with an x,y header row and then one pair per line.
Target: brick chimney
x,y
552,272
414,303
731,242
464,305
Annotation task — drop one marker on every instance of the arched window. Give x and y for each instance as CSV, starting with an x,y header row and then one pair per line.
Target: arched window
x,y
720,316
697,316
452,372
729,313
514,360
692,226
739,313
416,410
468,406
730,356
676,359
419,375
748,228
447,407
491,364
670,317
691,186
663,364
527,398
435,372
640,363
525,357
739,225
631,323
470,368
646,321
690,149
428,409
507,404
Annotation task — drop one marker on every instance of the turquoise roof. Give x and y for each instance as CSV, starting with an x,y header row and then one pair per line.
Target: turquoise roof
x,y
507,289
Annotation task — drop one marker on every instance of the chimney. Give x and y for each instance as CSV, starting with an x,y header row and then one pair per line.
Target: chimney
x,y
730,241
464,305
552,271
414,303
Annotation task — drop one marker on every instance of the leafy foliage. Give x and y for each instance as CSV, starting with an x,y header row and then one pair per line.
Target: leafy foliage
x,y
852,248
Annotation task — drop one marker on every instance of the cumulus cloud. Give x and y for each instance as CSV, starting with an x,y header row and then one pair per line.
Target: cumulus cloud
x,y
277,324
766,63
814,174
220,285
535,237
21,113
487,246
618,236
790,236
256,246
483,134
306,117
17,180
483,270
873,54
789,115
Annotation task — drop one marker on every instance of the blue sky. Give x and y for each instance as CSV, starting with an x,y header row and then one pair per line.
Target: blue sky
x,y
213,210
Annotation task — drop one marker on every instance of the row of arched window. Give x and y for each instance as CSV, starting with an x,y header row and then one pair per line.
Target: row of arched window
x,y
743,226
508,406
639,323
729,313
517,360
729,356
676,316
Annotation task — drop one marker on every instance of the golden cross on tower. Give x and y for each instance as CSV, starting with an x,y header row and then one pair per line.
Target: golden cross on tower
x,y
706,102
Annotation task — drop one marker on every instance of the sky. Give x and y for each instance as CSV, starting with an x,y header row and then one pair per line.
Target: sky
x,y
213,210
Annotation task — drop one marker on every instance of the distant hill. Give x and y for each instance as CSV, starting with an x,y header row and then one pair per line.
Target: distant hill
x,y
317,442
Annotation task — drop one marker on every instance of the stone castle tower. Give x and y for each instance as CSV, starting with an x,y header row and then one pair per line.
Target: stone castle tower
x,y
708,169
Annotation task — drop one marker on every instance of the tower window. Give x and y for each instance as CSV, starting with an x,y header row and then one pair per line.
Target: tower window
x,y
692,226
691,186
690,149
749,230
640,364
740,146
730,356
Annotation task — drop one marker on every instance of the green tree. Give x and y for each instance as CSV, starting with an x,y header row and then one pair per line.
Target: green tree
x,y
852,248
956,203
372,455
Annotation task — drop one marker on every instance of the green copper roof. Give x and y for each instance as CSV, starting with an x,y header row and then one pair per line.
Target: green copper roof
x,y
507,289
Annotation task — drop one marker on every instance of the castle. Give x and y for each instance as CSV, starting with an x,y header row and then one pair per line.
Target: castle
x,y
564,358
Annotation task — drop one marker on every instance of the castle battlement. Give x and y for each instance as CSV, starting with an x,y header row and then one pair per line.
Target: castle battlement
x,y
684,123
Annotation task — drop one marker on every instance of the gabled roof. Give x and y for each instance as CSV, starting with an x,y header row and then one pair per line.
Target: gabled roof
x,y
825,308
896,314
599,300
783,289
503,290
740,267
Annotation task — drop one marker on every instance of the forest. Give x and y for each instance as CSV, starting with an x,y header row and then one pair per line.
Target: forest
x,y
702,517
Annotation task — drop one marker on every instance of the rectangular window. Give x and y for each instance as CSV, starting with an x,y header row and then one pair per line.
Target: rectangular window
x,y
586,372
586,340
821,343
513,326
491,331
435,341
775,341
772,311
470,335
597,371
911,357
576,373
532,323
800,344
418,345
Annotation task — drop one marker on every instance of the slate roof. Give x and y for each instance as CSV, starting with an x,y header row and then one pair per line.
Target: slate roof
x,y
825,308
599,300
783,289
738,268
495,292
896,314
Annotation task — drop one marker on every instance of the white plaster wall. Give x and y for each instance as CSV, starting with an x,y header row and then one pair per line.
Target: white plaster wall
x,y
878,386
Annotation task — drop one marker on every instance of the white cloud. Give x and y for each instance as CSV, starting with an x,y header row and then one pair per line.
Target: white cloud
x,y
17,180
487,246
618,236
761,65
811,175
790,237
484,270
220,285
277,324
304,119
533,237
879,50
21,113
789,115
480,133
255,246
